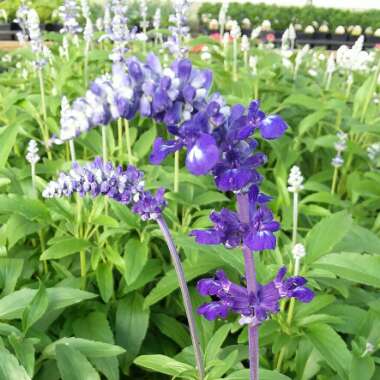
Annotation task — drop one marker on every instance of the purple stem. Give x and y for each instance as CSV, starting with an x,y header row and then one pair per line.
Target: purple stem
x,y
185,295
250,274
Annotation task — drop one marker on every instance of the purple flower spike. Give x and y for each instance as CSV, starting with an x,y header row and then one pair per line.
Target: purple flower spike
x,y
253,308
203,156
257,234
100,178
273,127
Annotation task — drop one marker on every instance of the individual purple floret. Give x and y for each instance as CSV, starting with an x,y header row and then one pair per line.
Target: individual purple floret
x,y
253,308
230,231
99,178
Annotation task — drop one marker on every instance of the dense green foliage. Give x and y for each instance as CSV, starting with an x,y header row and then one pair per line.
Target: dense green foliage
x,y
126,321
281,16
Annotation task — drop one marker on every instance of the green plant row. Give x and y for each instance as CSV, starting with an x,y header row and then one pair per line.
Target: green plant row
x,y
47,10
281,17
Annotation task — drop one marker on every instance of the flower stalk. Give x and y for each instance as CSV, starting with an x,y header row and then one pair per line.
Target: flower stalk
x,y
185,294
250,274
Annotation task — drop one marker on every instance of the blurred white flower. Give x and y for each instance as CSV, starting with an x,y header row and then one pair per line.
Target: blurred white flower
x,y
266,26
298,251
255,33
244,43
32,152
205,54
295,180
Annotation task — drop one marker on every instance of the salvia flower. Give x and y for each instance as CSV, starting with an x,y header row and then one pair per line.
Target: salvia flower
x,y
295,180
166,95
157,19
69,14
22,20
178,28
85,9
298,251
32,152
340,146
34,33
218,140
252,308
244,43
373,152
88,31
104,179
229,230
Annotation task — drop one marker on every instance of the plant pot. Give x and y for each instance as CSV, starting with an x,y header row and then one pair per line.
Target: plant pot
x,y
53,27
353,38
6,33
373,40
246,32
15,26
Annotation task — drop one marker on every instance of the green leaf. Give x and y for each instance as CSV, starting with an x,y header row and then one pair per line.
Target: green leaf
x,y
36,309
8,137
361,95
319,302
166,365
264,374
96,326
359,239
169,282
10,369
6,329
64,247
215,343
135,256
356,267
132,322
209,197
326,234
331,346
104,279
13,305
29,208
304,101
89,348
144,144
73,365
10,271
362,368
310,121
173,329
25,352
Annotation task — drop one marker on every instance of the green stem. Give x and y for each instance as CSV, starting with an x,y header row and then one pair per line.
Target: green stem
x,y
104,143
83,267
85,69
128,140
334,180
43,247
44,127
234,68
120,138
72,150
